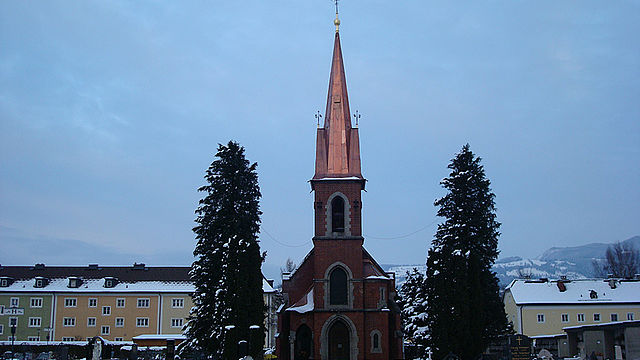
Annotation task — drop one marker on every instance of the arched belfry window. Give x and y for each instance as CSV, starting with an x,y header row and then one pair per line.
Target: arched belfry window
x,y
337,214
338,287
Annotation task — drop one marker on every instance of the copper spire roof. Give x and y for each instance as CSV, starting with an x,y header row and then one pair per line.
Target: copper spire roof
x,y
337,144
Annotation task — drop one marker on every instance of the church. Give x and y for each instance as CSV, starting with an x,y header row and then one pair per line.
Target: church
x,y
339,302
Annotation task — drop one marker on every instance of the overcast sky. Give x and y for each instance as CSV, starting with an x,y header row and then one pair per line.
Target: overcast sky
x,y
112,110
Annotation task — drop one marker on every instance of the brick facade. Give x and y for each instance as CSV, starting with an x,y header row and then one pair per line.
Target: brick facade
x,y
359,320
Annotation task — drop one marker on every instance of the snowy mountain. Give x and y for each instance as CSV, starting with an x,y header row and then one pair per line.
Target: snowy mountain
x,y
572,262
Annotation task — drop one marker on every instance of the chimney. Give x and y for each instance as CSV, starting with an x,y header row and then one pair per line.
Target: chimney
x,y
561,286
140,266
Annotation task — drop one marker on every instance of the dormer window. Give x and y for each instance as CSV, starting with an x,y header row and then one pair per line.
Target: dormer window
x,y
593,294
74,282
110,282
40,282
337,214
5,281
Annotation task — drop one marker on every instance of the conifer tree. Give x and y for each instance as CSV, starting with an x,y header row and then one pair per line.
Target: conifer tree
x,y
228,298
412,299
464,311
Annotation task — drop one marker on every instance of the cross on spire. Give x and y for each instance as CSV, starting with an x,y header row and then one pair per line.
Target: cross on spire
x,y
337,20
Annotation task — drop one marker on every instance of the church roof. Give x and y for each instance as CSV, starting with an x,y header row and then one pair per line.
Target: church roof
x,y
337,142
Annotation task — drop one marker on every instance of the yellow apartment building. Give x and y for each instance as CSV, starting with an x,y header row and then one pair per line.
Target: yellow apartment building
x,y
543,307
118,303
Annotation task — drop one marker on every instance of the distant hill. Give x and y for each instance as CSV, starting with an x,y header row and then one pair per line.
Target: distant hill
x,y
573,262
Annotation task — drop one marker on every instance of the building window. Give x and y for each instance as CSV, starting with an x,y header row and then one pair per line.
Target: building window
x,y
382,296
375,342
70,302
596,317
177,303
106,310
337,214
629,316
143,302
35,322
580,317
14,302
1,329
91,322
67,338
13,321
69,322
142,322
540,318
36,302
614,317
11,338
338,287
33,338
39,283
120,322
120,302
4,283
93,302
565,318
104,330
177,323
119,339
109,283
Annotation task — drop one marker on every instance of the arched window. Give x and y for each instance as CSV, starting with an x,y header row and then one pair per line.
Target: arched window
x,y
338,287
337,214
375,341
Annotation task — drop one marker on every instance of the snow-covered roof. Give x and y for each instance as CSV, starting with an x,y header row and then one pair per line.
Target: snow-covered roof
x,y
304,305
97,285
587,291
160,337
266,287
612,323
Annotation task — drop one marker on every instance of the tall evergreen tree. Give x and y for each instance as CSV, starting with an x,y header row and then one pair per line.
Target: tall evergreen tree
x,y
464,311
228,298
412,299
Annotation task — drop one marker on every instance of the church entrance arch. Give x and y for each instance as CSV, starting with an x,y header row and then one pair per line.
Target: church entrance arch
x,y
303,343
339,348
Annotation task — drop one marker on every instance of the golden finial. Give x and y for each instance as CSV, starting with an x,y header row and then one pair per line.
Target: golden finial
x,y
336,22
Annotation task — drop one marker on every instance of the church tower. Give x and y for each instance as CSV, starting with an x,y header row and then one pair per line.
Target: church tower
x,y
339,301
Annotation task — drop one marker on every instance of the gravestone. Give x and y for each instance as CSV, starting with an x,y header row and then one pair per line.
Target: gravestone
x,y
171,349
451,356
519,347
95,348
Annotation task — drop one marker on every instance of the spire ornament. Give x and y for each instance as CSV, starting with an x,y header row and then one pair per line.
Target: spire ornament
x,y
336,22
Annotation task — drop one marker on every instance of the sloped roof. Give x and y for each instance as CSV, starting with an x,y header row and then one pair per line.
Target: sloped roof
x,y
123,273
577,291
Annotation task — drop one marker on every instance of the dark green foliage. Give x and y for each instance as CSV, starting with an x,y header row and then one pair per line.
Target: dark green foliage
x,y
412,299
465,312
228,297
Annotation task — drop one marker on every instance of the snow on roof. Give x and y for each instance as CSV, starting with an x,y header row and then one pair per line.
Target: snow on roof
x,y
377,277
306,306
612,323
266,287
587,291
160,337
97,285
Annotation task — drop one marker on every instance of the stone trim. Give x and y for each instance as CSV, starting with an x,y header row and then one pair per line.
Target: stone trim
x,y
350,287
377,350
324,336
347,216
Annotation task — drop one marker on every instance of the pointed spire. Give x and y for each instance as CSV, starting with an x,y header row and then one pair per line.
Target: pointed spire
x,y
337,147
